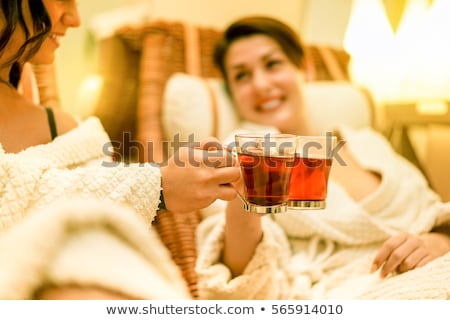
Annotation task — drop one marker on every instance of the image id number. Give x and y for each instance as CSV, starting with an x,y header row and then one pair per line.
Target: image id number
x,y
307,309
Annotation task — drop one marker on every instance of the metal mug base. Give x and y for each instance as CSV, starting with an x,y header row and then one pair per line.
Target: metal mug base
x,y
306,204
249,207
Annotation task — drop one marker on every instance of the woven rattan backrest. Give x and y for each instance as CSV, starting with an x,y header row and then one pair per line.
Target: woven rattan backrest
x,y
152,53
166,48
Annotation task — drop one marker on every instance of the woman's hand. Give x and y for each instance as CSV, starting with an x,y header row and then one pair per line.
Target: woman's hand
x,y
404,252
195,176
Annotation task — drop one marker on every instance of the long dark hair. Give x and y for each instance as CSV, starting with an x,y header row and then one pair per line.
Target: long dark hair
x,y
13,16
287,38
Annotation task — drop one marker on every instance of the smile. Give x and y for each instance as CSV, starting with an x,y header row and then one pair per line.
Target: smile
x,y
55,37
270,105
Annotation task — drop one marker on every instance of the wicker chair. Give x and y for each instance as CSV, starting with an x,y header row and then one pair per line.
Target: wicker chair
x,y
137,62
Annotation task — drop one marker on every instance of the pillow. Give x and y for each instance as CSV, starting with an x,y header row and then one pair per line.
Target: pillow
x,y
199,106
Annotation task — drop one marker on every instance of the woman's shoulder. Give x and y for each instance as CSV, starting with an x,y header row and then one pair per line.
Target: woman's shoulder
x,y
64,121
67,122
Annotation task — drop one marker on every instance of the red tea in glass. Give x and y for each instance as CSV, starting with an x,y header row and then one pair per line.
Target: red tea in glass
x,y
266,162
309,179
266,178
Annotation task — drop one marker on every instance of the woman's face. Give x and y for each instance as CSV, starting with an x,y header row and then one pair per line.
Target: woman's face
x,y
63,15
265,84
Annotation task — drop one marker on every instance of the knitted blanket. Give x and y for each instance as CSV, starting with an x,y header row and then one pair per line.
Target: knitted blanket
x,y
328,253
87,243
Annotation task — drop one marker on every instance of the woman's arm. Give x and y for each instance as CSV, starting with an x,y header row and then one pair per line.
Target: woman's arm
x,y
262,274
243,232
29,181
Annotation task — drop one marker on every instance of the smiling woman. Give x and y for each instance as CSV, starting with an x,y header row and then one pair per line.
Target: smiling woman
x,y
376,200
30,35
250,71
64,15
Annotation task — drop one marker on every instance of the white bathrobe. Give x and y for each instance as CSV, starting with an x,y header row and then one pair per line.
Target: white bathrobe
x,y
74,164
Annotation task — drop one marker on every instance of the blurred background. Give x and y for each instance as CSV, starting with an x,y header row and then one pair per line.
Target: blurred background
x,y
321,21
398,49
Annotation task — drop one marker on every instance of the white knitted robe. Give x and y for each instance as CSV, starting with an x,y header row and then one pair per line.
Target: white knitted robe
x,y
74,164
325,254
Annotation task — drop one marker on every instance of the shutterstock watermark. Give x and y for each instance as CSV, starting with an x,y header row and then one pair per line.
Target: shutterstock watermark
x,y
211,152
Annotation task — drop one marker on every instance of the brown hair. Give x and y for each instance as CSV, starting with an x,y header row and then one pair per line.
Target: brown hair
x,y
284,35
14,18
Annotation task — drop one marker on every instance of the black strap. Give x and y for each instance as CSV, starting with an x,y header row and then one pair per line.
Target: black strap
x,y
51,122
162,203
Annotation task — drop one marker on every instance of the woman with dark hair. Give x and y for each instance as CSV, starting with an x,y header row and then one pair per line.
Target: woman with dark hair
x,y
28,35
40,28
55,176
379,214
31,31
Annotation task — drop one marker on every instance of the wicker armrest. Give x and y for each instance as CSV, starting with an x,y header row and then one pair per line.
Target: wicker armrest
x,y
177,232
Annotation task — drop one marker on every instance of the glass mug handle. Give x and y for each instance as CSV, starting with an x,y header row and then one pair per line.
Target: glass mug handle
x,y
245,204
234,154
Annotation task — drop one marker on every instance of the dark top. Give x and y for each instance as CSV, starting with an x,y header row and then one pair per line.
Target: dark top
x,y
51,122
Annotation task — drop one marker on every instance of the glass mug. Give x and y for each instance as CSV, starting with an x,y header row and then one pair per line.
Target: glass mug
x,y
309,180
266,162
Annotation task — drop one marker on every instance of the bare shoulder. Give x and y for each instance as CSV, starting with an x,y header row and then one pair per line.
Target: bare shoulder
x,y
64,121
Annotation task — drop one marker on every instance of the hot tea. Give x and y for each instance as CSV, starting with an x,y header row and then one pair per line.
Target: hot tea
x,y
266,178
266,162
309,179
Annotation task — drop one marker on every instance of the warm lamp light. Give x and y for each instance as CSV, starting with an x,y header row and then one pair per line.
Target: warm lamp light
x,y
88,95
434,58
370,42
409,37
368,32
412,64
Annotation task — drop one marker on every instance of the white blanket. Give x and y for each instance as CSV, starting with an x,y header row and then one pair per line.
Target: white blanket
x,y
90,243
